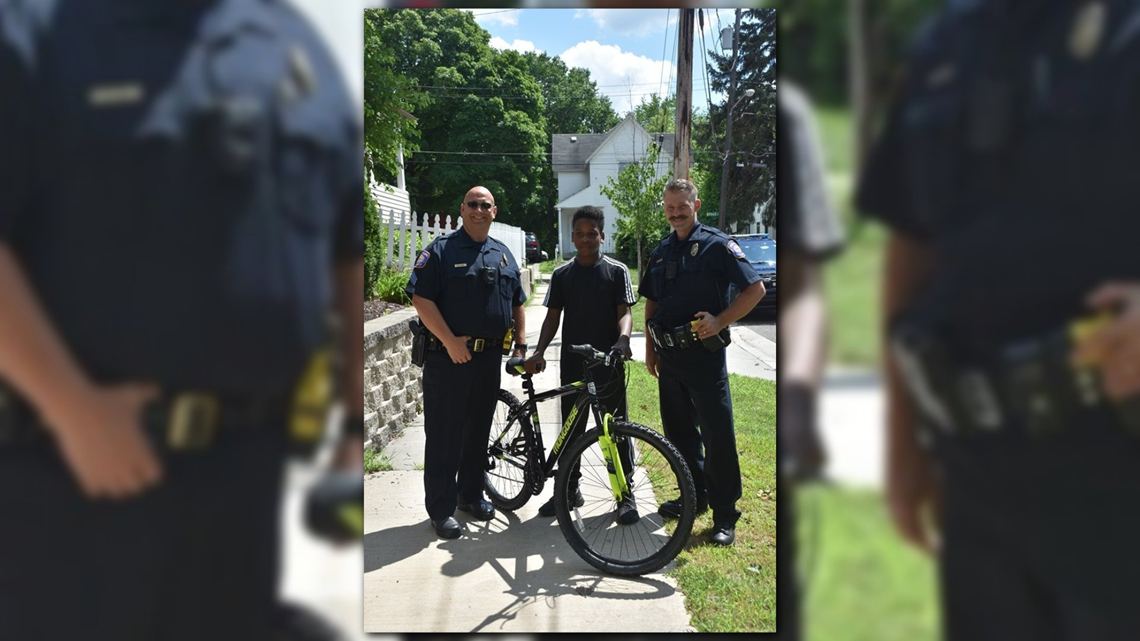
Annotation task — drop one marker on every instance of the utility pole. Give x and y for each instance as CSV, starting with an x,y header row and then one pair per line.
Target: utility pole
x,y
684,123
728,123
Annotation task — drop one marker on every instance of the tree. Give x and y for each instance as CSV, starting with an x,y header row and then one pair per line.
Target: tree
x,y
572,105
388,97
637,195
482,123
752,164
657,115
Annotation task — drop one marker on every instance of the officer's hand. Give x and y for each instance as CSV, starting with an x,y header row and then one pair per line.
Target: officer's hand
x,y
103,443
914,498
535,364
457,350
623,345
1114,349
707,325
651,361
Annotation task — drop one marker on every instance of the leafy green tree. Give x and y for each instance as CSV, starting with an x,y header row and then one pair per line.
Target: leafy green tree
x,y
657,115
389,100
752,162
637,194
482,123
572,104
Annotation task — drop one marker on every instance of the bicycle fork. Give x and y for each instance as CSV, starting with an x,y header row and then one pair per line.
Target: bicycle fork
x,y
619,484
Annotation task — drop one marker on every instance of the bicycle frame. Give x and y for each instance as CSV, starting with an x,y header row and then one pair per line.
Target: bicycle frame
x,y
587,396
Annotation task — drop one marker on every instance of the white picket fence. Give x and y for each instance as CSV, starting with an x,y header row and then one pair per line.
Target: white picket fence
x,y
406,237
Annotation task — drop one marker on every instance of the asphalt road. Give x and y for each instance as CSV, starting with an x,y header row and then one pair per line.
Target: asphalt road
x,y
761,322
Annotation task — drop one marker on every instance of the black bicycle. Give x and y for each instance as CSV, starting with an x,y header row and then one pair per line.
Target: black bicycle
x,y
638,542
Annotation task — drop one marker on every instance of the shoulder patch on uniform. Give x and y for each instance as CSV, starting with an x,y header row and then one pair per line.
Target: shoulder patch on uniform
x,y
423,258
735,250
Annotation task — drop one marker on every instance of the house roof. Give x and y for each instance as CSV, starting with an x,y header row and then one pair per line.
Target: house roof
x,y
573,156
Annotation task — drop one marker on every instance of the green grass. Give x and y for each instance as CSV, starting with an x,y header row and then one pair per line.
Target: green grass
x,y
864,583
730,589
547,266
376,461
852,279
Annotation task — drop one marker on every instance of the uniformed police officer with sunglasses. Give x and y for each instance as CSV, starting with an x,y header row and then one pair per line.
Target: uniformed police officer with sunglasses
x,y
467,289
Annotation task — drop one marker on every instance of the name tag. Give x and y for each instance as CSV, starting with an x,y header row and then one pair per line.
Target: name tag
x,y
125,93
459,265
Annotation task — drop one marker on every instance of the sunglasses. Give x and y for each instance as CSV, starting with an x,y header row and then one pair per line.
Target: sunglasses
x,y
475,204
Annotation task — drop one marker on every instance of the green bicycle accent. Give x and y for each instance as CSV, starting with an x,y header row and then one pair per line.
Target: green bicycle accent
x,y
618,483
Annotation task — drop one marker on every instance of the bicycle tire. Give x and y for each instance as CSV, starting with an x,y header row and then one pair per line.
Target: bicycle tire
x,y
510,446
660,474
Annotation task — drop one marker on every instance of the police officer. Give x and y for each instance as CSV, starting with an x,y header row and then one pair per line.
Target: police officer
x,y
467,289
1006,174
810,234
180,198
685,287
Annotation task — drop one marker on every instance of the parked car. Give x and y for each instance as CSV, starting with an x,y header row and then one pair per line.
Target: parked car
x,y
534,253
760,250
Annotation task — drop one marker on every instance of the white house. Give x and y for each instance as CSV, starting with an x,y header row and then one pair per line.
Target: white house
x,y
583,163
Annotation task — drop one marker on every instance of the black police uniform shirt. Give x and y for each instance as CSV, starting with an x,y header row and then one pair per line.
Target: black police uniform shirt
x,y
588,296
1012,150
178,180
705,263
475,285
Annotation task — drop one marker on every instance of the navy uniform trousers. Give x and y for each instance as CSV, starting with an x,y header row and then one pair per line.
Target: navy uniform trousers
x,y
696,412
459,402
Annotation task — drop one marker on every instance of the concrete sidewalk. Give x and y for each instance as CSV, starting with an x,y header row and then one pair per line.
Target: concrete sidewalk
x,y
515,573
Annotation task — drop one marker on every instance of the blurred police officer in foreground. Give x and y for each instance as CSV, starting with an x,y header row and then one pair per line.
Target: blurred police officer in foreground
x,y
467,289
685,287
1007,174
810,234
180,198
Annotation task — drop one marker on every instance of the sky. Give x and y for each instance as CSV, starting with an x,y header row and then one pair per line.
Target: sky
x,y
630,53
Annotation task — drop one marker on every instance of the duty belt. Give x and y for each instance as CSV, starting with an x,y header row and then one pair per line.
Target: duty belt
x,y
185,421
476,345
680,337
1029,382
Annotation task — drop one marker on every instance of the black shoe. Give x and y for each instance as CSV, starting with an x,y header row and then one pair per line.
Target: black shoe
x,y
672,509
447,528
724,535
482,510
547,508
627,511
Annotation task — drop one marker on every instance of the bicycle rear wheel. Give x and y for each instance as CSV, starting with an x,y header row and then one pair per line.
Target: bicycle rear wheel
x,y
659,474
509,476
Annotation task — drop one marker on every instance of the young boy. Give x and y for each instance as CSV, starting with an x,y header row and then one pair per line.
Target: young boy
x,y
596,293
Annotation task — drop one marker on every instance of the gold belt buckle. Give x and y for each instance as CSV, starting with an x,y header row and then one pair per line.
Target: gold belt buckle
x,y
480,344
193,421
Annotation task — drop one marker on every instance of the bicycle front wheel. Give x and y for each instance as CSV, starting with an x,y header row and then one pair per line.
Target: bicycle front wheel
x,y
613,540
511,445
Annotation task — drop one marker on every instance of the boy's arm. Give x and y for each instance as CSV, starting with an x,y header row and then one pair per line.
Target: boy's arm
x,y
625,328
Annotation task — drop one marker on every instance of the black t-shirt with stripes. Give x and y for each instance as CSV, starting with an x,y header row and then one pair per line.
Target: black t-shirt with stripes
x,y
588,297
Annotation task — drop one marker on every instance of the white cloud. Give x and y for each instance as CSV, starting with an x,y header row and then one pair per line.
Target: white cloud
x,y
521,46
619,73
496,16
633,22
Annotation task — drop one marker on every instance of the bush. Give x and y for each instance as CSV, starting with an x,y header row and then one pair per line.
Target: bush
x,y
389,286
374,243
